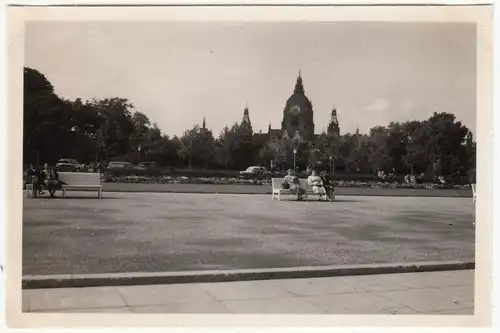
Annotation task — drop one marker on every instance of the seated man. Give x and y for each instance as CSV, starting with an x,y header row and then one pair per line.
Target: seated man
x,y
292,182
330,191
38,181
52,183
317,185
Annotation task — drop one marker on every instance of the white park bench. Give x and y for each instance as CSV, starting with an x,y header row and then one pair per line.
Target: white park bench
x,y
81,181
278,190
77,181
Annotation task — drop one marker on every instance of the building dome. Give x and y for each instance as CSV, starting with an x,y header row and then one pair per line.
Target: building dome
x,y
298,113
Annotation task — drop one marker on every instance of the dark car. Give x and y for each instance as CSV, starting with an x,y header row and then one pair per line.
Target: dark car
x,y
147,166
121,167
256,172
68,164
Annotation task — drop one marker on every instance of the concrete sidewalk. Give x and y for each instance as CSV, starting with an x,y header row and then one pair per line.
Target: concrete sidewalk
x,y
448,292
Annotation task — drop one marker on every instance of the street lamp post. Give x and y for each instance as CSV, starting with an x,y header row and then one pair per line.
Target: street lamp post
x,y
139,150
331,164
294,159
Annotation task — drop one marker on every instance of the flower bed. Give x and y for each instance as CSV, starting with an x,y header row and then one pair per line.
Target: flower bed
x,y
239,181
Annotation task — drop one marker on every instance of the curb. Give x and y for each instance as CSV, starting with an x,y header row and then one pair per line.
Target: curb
x,y
130,279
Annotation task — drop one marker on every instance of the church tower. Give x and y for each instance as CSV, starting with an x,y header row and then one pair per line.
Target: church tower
x,y
298,114
333,126
203,128
246,119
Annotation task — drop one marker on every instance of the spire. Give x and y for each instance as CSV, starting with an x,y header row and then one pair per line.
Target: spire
x,y
269,130
333,118
204,123
246,118
358,143
333,126
299,88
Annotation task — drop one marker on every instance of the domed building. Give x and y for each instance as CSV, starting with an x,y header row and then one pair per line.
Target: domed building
x,y
298,115
297,126
298,120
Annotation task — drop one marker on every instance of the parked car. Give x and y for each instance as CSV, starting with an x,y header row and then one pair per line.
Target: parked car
x,y
147,166
256,172
68,164
121,167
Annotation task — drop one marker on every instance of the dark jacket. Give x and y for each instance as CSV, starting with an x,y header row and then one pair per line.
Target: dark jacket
x,y
326,182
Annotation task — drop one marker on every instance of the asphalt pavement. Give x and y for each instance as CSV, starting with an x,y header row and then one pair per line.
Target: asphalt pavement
x,y
154,232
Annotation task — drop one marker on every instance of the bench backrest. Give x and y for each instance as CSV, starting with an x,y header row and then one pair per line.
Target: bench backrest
x,y
80,178
304,184
277,182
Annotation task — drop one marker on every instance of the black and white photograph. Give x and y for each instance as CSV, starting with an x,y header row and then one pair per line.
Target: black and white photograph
x,y
238,166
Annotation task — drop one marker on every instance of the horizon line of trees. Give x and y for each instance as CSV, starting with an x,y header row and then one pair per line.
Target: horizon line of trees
x,y
111,129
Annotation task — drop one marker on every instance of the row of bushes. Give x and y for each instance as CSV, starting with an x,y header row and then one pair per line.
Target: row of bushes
x,y
340,176
239,181
177,172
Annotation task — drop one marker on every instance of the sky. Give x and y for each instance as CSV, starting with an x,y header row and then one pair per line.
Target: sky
x,y
179,72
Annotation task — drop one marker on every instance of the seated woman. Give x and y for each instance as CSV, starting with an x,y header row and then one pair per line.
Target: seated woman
x,y
330,191
292,182
317,185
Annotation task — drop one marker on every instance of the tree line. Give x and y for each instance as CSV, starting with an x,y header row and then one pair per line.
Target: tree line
x,y
112,129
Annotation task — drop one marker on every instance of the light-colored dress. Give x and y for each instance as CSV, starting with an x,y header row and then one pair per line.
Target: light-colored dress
x,y
317,184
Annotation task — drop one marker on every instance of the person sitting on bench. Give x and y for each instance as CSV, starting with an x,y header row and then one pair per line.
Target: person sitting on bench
x,y
317,185
292,182
52,183
330,191
38,180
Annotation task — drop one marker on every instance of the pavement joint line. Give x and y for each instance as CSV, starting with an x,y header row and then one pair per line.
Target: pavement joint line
x,y
154,278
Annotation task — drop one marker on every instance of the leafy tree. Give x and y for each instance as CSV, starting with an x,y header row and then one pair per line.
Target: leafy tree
x,y
189,142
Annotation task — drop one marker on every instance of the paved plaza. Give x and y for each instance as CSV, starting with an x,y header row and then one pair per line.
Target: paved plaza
x,y
155,232
449,292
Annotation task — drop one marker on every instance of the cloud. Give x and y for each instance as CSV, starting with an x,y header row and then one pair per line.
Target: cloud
x,y
378,105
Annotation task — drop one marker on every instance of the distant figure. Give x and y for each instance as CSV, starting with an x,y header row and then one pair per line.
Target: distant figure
x,y
330,191
317,185
309,171
293,184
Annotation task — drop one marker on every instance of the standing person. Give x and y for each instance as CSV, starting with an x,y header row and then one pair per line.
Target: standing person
x,y
317,185
330,191
292,182
308,171
39,180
